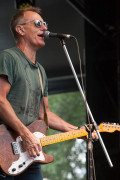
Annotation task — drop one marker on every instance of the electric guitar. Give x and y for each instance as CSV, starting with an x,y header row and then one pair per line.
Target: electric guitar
x,y
14,160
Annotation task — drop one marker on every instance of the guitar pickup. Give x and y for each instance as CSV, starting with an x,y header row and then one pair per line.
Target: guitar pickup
x,y
16,148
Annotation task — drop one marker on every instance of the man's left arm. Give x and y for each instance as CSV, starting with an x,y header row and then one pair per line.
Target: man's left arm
x,y
54,121
57,123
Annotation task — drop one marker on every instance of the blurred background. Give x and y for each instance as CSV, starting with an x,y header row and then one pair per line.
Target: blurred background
x,y
96,25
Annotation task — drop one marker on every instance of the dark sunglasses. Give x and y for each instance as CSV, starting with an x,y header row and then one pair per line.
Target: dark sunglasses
x,y
38,23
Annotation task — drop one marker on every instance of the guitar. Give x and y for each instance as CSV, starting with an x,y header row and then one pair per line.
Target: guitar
x,y
14,160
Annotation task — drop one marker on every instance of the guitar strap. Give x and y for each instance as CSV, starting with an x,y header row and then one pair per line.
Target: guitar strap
x,y
45,113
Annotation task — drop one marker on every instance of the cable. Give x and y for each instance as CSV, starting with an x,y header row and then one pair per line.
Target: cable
x,y
81,74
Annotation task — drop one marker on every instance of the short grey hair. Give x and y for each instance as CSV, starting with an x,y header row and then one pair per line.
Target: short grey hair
x,y
17,17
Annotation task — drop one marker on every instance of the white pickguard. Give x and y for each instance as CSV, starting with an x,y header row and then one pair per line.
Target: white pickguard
x,y
24,159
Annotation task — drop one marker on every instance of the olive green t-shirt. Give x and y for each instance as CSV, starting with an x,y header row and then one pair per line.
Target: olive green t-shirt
x,y
25,93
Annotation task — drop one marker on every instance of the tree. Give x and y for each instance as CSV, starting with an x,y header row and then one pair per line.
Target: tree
x,y
70,161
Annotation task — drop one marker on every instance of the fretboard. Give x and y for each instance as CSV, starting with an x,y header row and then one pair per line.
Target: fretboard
x,y
47,140
103,127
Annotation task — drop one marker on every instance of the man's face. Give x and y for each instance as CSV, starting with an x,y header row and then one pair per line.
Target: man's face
x,y
33,35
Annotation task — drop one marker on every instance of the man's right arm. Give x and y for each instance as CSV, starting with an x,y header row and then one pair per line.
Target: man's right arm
x,y
8,116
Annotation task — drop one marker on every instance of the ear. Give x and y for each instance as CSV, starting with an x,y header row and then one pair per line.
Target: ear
x,y
20,30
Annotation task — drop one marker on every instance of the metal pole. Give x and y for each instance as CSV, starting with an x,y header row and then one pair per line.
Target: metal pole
x,y
85,101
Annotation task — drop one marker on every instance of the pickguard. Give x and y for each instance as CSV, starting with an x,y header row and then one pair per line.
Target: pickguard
x,y
24,159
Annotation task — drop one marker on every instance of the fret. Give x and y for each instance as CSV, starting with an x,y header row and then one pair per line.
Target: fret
x,y
74,133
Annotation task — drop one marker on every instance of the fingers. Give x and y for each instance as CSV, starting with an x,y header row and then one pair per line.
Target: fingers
x,y
94,135
32,145
34,150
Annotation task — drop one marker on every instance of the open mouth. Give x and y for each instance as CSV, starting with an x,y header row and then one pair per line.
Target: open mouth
x,y
40,35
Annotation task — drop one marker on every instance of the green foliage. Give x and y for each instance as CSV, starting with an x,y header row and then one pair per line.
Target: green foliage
x,y
69,163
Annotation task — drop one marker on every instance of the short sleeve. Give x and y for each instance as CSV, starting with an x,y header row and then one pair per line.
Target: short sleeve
x,y
6,65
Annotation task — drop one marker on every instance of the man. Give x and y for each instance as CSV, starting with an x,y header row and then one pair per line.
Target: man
x,y
20,90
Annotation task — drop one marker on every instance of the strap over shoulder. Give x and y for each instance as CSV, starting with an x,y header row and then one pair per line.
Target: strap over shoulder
x,y
45,113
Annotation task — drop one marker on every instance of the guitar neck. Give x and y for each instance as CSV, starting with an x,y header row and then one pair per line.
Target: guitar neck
x,y
103,127
47,140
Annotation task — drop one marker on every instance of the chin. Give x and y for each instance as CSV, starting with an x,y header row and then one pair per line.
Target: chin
x,y
40,45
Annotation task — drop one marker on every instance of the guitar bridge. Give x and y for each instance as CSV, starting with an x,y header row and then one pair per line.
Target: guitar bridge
x,y
16,147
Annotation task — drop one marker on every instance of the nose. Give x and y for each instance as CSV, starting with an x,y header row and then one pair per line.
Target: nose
x,y
44,27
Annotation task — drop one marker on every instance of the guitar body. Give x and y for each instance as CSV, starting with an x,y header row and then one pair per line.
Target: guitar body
x,y
13,162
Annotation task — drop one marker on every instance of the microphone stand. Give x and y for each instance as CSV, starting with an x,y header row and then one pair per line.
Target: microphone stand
x,y
91,173
88,110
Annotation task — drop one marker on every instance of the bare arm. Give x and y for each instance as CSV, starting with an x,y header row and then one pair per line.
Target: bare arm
x,y
54,121
9,117
59,124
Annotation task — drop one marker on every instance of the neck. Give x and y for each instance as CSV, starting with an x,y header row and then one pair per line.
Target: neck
x,y
28,51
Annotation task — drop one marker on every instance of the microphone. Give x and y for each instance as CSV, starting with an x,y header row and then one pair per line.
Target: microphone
x,y
48,35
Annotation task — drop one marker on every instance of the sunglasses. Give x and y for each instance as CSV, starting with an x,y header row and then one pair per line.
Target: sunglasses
x,y
38,23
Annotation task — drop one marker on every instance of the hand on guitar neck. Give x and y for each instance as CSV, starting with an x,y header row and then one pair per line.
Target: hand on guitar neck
x,y
94,134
